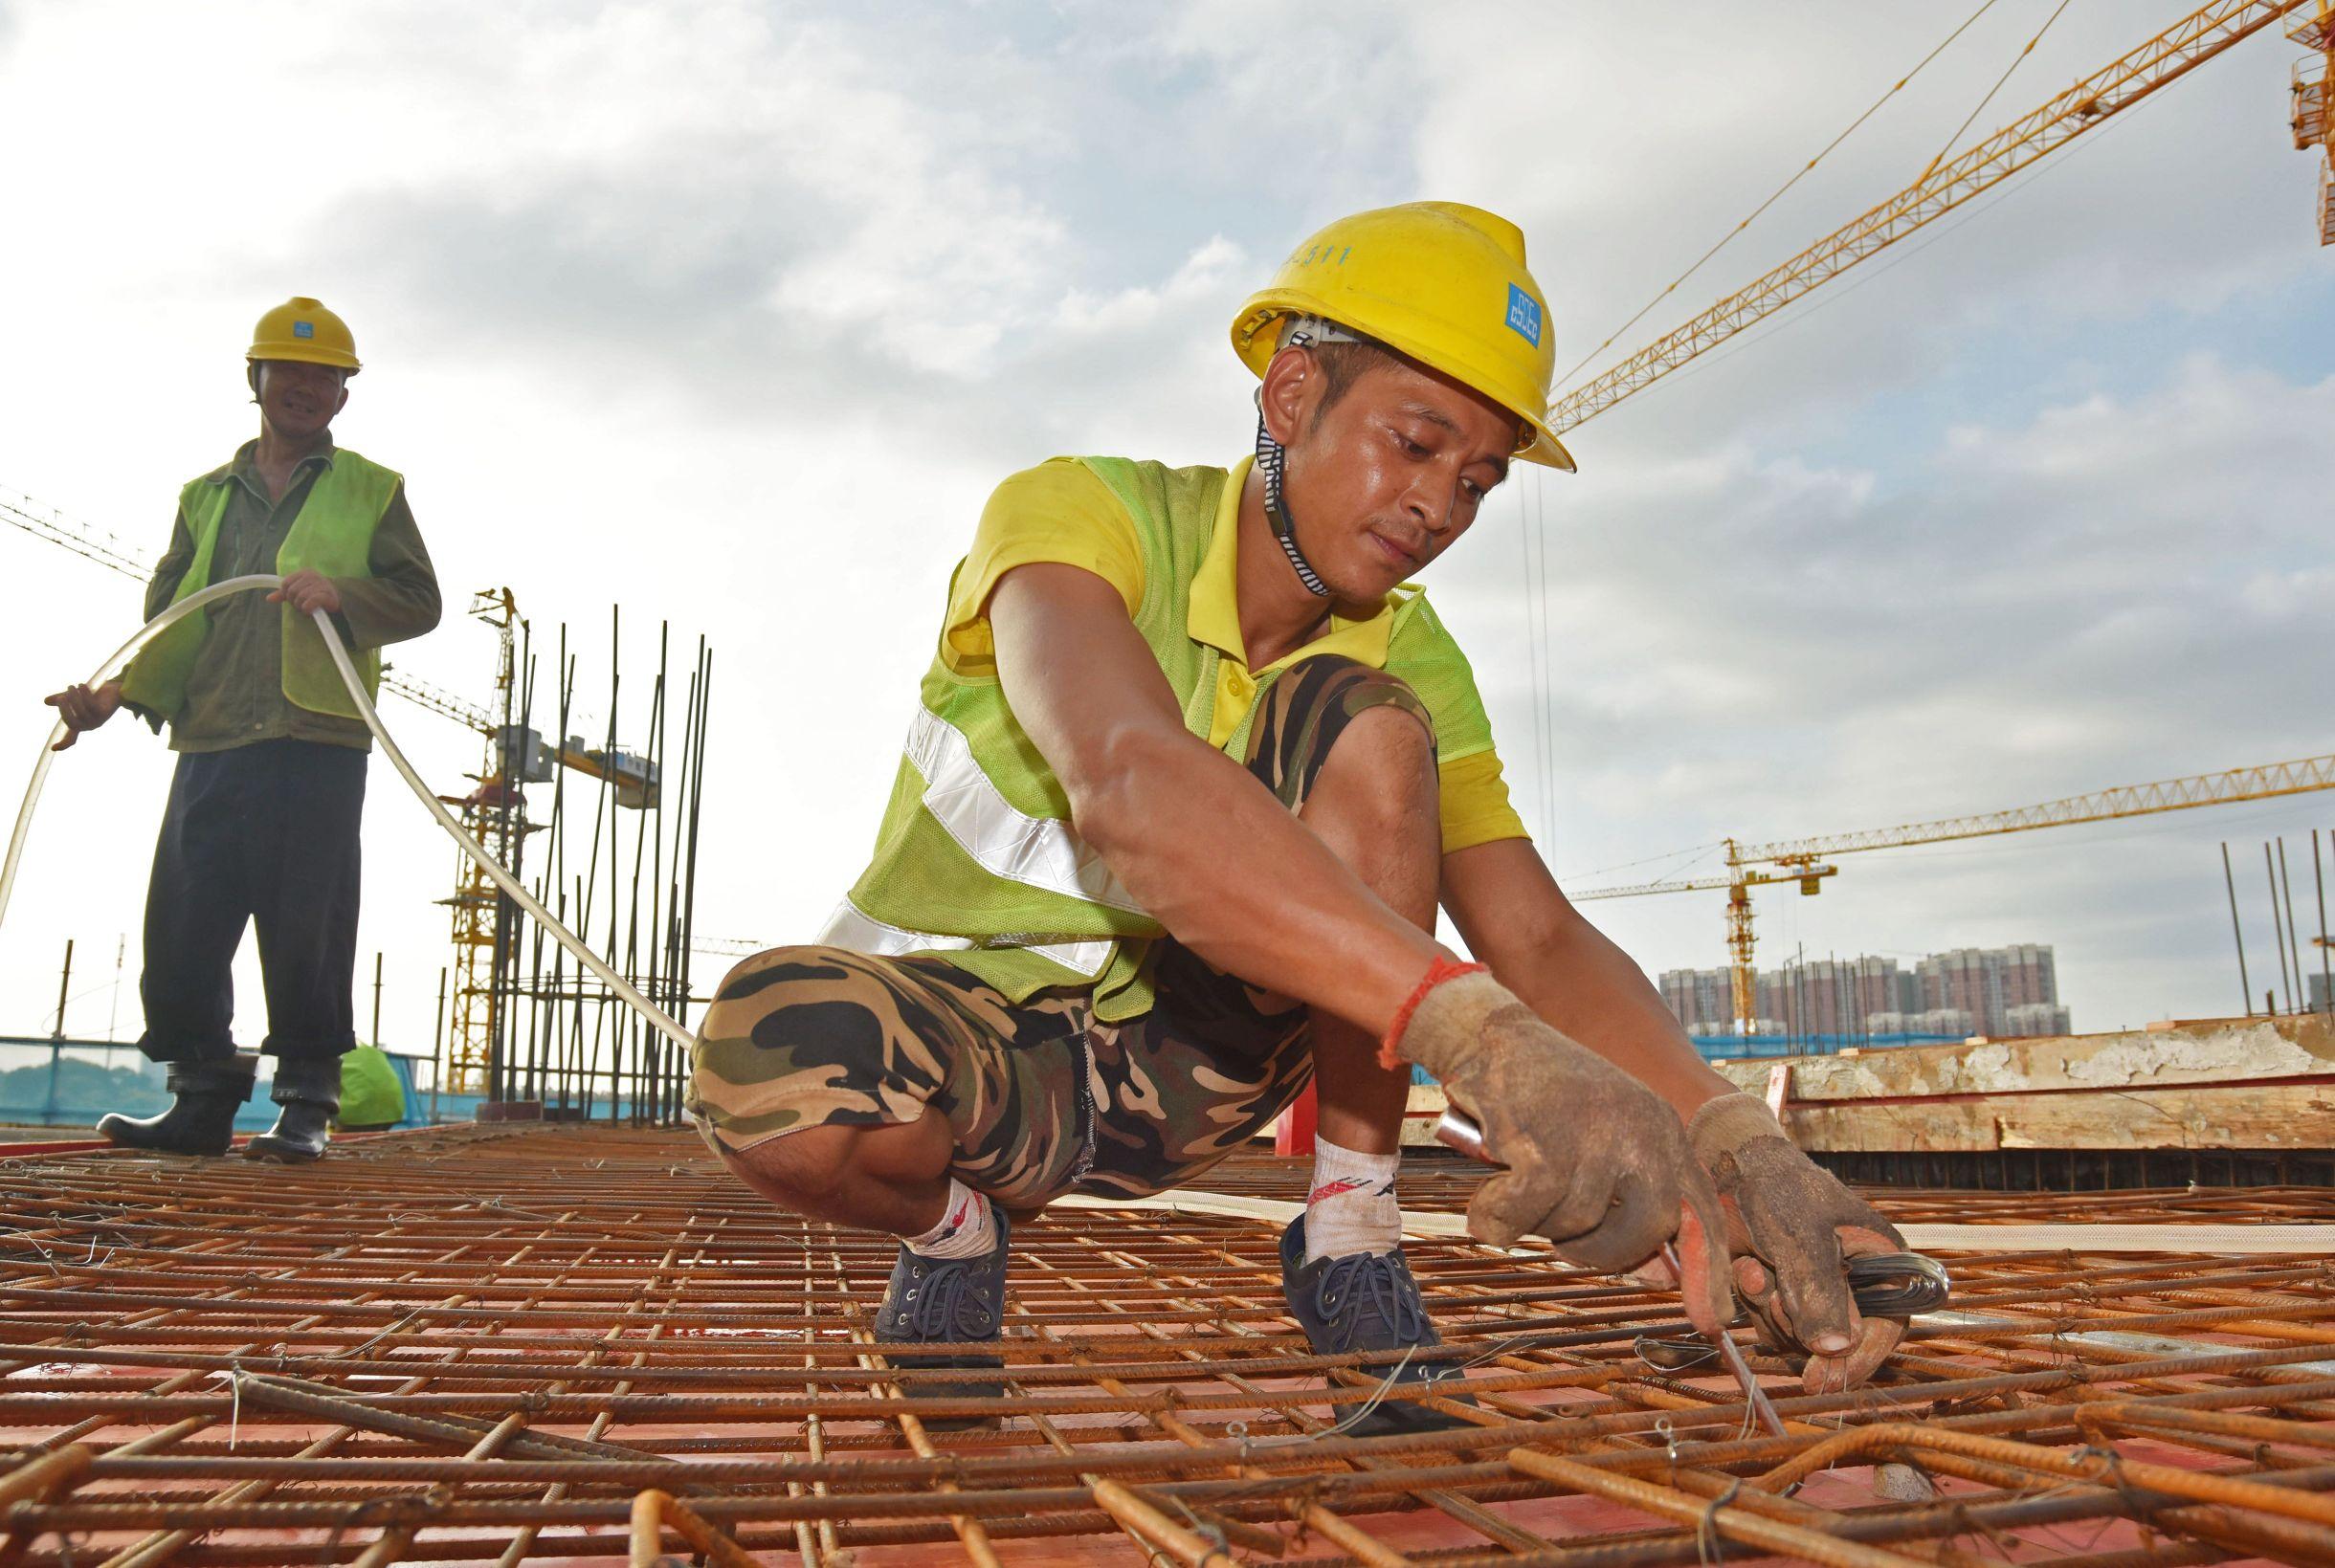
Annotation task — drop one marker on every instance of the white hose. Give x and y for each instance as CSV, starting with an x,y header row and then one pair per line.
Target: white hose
x,y
624,991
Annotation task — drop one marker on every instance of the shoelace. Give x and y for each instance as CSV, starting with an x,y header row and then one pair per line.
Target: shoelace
x,y
1370,1281
946,1307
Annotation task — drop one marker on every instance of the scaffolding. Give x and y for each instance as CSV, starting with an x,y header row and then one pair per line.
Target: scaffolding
x,y
530,1029
624,880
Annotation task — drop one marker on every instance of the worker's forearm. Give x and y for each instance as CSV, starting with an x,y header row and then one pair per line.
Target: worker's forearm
x,y
1216,859
1590,990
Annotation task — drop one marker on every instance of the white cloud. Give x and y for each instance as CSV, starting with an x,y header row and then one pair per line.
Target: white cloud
x,y
1204,275
2287,596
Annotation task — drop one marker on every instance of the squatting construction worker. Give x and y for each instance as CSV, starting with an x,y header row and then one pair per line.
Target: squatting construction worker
x,y
1194,767
261,827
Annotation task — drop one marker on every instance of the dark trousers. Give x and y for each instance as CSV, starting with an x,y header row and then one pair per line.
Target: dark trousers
x,y
265,834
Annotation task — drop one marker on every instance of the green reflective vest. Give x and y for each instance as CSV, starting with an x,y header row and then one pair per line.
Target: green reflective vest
x,y
977,860
333,533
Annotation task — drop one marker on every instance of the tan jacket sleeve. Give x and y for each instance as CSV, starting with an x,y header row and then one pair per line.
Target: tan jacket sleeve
x,y
163,586
400,600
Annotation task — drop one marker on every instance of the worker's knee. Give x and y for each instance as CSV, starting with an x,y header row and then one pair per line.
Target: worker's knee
x,y
820,1171
1376,804
1376,807
800,1169
1380,777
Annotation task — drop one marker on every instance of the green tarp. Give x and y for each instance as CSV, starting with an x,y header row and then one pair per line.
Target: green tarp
x,y
370,1093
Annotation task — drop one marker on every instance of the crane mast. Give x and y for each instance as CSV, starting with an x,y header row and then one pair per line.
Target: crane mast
x,y
2314,125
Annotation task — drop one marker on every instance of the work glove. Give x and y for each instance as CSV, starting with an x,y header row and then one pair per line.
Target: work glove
x,y
1791,1226
1594,1161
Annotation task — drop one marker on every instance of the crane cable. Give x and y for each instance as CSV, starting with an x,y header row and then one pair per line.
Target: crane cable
x,y
624,989
1992,91
1536,565
1669,288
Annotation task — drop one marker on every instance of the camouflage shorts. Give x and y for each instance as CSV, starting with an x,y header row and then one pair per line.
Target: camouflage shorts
x,y
1042,1098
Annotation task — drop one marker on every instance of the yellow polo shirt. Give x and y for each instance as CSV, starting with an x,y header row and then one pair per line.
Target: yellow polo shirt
x,y
1060,512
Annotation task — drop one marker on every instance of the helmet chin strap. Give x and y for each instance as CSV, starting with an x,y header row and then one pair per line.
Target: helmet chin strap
x,y
1269,455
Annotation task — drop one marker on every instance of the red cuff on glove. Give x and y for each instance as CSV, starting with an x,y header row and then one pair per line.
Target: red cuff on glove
x,y
1437,972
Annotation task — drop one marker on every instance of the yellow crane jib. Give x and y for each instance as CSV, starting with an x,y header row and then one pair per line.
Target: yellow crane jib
x,y
532,760
1953,180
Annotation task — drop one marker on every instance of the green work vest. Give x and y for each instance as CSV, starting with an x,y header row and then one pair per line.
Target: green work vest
x,y
977,860
333,533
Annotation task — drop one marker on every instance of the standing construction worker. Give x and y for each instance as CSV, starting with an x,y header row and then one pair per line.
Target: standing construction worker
x,y
261,825
1194,767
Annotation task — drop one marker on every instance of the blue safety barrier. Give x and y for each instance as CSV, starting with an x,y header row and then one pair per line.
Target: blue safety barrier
x,y
71,1083
1738,1048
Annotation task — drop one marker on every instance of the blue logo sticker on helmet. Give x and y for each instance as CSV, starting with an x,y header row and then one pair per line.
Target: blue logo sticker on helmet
x,y
1524,316
308,329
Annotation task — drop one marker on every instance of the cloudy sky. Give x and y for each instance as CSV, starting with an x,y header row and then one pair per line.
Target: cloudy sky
x,y
733,313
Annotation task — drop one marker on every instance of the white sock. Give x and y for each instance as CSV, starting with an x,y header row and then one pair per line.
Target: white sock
x,y
968,1227
1350,1207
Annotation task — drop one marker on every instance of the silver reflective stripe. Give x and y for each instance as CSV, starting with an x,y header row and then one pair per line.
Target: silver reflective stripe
x,y
1039,852
852,927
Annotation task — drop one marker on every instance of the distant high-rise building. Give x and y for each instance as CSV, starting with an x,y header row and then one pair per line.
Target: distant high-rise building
x,y
1828,995
2036,1018
2029,977
1970,991
1988,982
1703,999
1962,979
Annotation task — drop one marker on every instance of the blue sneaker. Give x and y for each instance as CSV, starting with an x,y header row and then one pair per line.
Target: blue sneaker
x,y
1368,1301
949,1301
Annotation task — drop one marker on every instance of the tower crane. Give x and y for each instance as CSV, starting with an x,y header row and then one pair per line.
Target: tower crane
x,y
1806,860
1949,182
1952,181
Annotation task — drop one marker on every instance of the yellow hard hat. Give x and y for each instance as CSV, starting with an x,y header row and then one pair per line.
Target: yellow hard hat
x,y
301,329
1439,282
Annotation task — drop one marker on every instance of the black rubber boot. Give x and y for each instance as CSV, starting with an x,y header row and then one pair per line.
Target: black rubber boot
x,y
307,1093
1368,1301
205,1098
950,1301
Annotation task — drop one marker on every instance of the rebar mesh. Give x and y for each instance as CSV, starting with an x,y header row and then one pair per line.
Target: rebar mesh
x,y
585,1345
